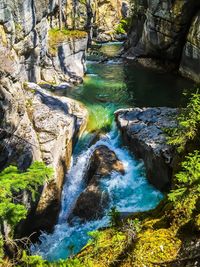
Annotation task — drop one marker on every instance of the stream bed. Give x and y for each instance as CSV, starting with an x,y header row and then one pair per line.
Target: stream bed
x,y
107,87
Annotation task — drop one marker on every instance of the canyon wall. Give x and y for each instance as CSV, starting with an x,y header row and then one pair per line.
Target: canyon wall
x,y
24,27
35,124
101,16
168,32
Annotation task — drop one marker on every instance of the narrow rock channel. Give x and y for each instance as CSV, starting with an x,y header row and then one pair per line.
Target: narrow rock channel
x,y
125,187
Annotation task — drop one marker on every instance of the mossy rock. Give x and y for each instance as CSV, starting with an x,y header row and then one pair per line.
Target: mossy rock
x,y
57,37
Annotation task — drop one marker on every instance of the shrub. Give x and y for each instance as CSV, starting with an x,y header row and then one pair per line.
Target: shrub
x,y
114,215
123,26
187,190
12,184
188,124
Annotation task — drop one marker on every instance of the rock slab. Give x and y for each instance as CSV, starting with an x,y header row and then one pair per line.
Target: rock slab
x,y
143,132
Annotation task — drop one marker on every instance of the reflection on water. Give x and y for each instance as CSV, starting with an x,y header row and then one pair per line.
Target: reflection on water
x,y
109,86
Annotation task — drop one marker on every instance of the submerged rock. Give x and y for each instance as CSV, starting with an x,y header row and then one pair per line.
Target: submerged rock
x,y
143,131
93,201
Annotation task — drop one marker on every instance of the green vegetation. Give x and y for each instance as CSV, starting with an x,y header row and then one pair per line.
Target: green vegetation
x,y
37,261
57,37
123,26
187,189
13,183
153,238
188,124
114,215
160,236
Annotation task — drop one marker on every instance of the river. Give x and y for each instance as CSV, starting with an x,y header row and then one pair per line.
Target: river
x,y
107,87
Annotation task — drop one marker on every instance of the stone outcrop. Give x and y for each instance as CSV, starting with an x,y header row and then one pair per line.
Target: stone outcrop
x,y
24,38
93,201
35,125
143,131
43,127
167,31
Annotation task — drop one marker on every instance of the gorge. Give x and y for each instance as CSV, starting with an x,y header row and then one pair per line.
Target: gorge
x,y
64,96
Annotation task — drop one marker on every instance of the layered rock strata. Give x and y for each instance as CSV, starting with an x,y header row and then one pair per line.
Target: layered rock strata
x,y
40,126
24,40
168,32
101,17
35,125
143,131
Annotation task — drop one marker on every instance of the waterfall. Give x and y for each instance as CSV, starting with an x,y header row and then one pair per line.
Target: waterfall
x,y
129,193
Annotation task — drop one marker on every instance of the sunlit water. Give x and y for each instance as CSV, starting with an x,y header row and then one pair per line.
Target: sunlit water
x,y
106,88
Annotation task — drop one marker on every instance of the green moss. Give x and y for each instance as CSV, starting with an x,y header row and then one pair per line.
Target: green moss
x,y
104,250
155,246
18,27
197,222
57,37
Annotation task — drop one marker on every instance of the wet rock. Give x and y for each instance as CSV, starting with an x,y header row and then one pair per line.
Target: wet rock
x,y
36,124
93,201
143,131
103,38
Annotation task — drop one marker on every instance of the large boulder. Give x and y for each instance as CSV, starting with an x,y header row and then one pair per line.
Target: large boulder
x,y
143,131
93,201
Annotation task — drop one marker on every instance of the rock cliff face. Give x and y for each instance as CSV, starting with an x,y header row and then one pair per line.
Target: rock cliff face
x,y
24,39
39,126
102,15
167,31
35,125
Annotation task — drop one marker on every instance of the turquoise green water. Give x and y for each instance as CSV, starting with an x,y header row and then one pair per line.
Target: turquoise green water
x,y
112,85
107,87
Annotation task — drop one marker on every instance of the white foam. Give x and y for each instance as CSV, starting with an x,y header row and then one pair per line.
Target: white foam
x,y
129,193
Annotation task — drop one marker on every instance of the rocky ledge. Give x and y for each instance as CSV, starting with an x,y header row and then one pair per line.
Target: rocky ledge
x,y
93,201
143,131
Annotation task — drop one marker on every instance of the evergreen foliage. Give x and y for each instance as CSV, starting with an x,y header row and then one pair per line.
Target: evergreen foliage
x,y
188,124
123,26
12,183
114,215
187,190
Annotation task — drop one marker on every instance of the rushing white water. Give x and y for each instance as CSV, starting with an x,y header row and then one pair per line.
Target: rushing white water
x,y
129,193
